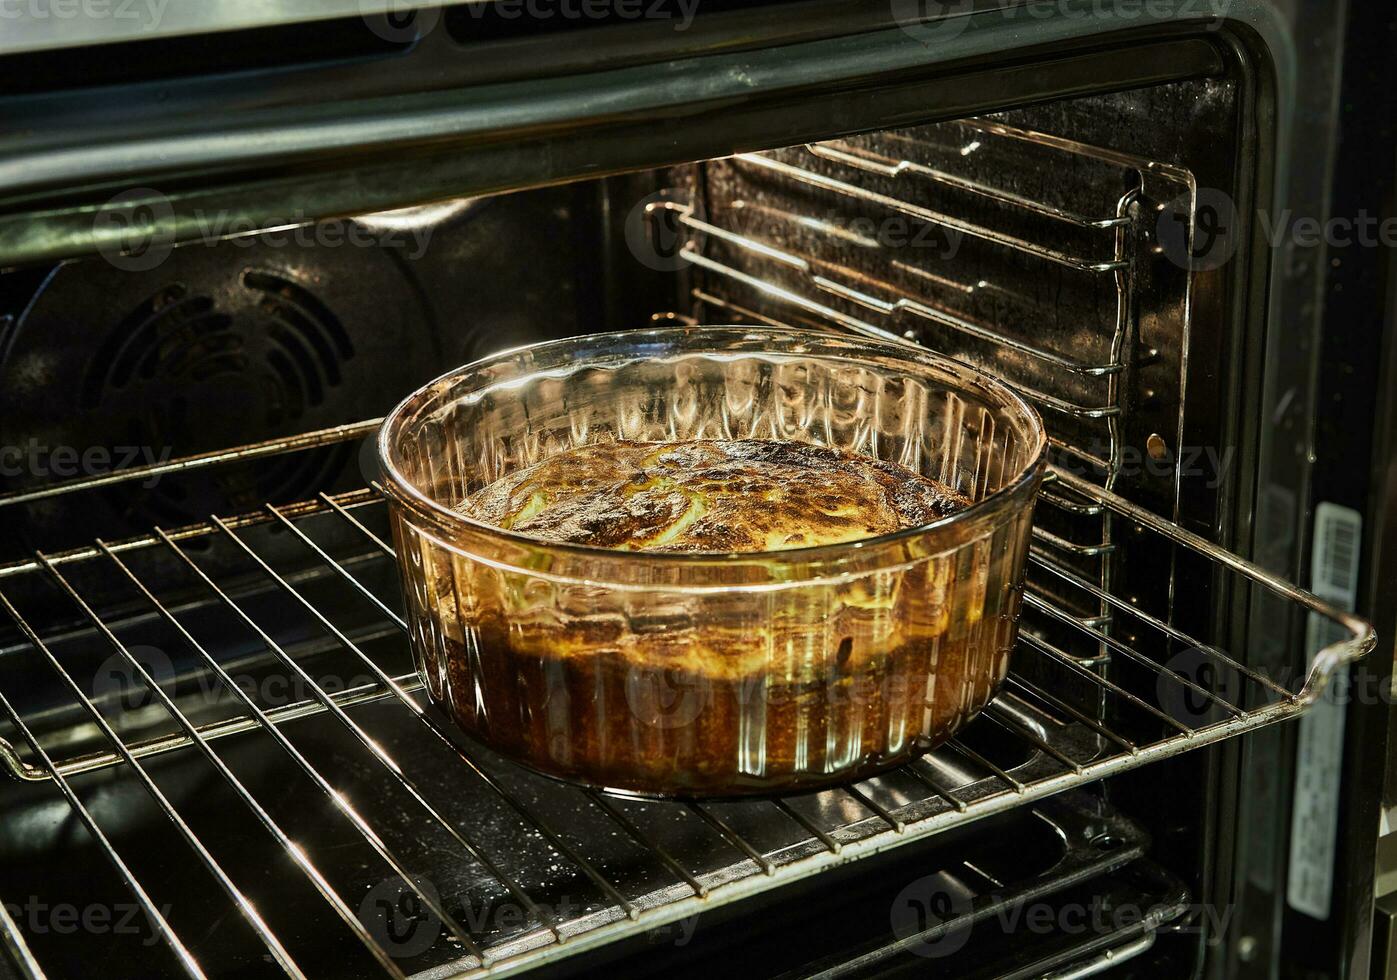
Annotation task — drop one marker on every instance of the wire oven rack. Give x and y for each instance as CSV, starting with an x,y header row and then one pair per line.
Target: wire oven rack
x,y
1041,736
931,176
833,235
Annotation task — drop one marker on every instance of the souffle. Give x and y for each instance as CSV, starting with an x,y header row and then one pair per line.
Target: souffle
x,y
745,495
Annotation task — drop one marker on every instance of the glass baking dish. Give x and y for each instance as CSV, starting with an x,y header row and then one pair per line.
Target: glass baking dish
x,y
712,674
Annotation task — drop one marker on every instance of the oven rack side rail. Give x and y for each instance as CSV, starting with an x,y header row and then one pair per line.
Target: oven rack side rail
x,y
1091,749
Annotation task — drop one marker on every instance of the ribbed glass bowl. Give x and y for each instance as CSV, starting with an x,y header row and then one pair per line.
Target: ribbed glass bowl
x,y
706,674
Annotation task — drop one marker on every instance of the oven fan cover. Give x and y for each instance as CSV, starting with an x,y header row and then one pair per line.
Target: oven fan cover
x,y
220,345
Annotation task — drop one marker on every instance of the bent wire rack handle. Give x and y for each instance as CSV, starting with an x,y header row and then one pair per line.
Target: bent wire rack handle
x,y
1325,663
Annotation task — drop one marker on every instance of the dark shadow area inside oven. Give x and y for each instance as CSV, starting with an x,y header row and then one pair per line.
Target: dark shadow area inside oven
x,y
1026,242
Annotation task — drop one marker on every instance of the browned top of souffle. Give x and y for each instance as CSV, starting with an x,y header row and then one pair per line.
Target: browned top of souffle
x,y
739,495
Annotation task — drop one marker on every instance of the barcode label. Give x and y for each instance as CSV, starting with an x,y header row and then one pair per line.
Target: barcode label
x,y
1320,752
1336,554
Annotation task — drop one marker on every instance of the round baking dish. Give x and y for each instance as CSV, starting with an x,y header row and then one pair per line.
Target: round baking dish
x,y
712,674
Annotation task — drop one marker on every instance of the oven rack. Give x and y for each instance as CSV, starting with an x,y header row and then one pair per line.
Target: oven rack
x,y
760,251
820,282
866,294
1080,263
960,139
1037,739
745,240
860,158
863,295
1113,228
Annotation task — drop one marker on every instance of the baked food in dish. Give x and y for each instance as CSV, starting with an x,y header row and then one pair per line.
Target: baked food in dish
x,y
629,561
728,495
879,668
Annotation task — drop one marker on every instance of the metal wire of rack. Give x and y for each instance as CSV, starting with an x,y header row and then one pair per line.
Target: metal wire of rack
x,y
811,237
1053,743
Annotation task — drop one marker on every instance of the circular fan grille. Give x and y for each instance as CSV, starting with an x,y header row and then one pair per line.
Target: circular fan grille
x,y
220,346
178,355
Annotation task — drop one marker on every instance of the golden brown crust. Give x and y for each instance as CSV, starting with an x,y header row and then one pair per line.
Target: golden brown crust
x,y
743,495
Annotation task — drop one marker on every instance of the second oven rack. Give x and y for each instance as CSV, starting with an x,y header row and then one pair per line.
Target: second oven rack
x,y
1037,738
1060,289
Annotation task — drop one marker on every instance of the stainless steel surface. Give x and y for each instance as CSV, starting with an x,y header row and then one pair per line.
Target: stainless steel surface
x,y
872,282
1061,745
565,116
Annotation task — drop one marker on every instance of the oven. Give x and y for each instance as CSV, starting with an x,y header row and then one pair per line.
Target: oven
x,y
234,235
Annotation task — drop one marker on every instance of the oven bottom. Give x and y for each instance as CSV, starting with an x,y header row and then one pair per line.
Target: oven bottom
x,y
1013,895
